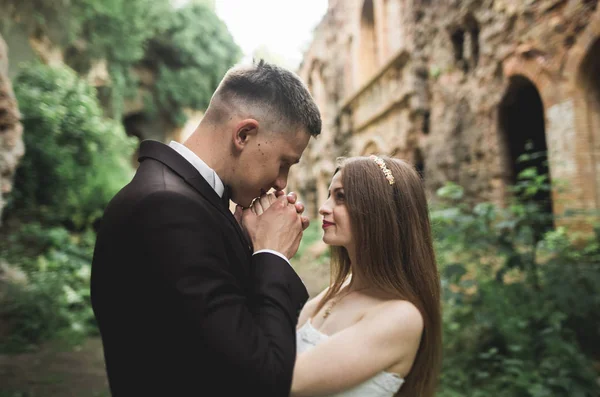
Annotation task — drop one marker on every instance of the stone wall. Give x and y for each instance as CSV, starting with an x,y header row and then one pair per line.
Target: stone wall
x,y
11,144
458,88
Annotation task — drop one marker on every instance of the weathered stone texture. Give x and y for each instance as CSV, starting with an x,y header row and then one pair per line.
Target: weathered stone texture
x,y
452,85
11,144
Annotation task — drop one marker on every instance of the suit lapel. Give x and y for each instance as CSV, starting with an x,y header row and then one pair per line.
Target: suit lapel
x,y
170,158
200,184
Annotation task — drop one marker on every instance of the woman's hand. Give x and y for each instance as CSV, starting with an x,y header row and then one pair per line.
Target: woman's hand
x,y
262,203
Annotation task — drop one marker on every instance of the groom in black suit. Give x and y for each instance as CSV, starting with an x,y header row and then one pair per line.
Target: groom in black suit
x,y
190,299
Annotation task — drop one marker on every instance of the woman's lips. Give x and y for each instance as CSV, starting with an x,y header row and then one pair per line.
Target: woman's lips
x,y
327,224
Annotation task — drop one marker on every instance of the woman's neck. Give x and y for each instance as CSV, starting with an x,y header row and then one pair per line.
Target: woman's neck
x,y
356,282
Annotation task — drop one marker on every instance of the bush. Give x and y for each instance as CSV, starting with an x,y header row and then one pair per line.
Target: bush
x,y
75,159
521,302
55,299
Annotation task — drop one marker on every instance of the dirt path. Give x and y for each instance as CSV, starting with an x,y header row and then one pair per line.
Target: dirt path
x,y
55,371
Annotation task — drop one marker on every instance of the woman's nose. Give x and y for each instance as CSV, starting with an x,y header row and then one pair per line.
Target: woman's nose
x,y
324,210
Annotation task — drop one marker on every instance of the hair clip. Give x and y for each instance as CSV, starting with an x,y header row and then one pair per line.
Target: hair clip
x,y
386,171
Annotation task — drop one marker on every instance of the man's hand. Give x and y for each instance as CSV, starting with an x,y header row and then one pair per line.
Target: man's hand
x,y
277,228
262,203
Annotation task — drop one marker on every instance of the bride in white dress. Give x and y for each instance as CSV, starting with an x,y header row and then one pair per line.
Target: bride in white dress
x,y
376,330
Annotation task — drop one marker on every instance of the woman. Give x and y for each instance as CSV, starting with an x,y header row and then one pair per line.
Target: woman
x,y
376,330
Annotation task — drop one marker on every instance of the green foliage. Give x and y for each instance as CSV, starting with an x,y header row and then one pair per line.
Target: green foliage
x,y
189,56
208,3
521,302
75,158
75,161
35,14
115,31
188,49
55,299
131,22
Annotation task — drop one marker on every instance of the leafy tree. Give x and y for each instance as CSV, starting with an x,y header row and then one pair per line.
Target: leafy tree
x,y
117,32
36,15
188,49
189,57
75,158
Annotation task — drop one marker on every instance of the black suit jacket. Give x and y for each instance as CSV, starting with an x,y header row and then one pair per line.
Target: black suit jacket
x,y
183,307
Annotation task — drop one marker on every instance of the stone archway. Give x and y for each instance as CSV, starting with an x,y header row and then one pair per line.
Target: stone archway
x,y
368,51
589,84
371,146
522,129
419,162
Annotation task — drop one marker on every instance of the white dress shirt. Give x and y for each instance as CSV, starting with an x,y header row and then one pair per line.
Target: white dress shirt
x,y
211,177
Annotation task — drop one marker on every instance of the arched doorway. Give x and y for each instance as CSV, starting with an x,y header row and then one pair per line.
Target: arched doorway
x,y
589,82
368,52
419,162
372,146
523,135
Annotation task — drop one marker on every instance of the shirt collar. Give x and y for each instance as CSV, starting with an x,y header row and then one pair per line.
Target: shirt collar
x,y
207,173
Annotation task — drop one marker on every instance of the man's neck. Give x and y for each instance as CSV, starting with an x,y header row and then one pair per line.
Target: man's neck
x,y
206,146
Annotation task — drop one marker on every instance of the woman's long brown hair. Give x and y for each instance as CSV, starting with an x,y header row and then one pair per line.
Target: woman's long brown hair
x,y
392,232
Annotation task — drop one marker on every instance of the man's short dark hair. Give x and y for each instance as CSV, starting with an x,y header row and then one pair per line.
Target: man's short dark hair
x,y
277,94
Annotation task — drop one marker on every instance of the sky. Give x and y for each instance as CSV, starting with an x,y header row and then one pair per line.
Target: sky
x,y
283,27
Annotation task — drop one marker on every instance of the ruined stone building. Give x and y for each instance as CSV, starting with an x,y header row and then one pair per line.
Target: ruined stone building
x,y
460,89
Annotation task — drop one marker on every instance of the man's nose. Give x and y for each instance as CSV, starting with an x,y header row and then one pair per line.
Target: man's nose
x,y
280,184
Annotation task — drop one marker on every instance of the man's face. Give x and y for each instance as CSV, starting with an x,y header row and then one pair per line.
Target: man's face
x,y
265,163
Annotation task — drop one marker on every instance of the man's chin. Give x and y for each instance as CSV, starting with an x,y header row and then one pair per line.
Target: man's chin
x,y
242,203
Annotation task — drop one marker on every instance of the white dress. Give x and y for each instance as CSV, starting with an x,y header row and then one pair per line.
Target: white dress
x,y
384,384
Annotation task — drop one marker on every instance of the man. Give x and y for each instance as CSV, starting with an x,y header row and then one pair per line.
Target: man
x,y
188,302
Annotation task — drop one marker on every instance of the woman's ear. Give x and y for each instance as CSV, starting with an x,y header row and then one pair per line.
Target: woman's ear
x,y
243,132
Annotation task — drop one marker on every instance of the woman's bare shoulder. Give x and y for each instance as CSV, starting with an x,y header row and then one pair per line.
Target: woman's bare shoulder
x,y
400,317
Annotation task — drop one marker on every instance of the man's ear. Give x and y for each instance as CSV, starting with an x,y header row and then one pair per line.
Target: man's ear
x,y
243,132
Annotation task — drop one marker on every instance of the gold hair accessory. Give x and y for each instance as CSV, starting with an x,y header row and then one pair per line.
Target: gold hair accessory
x,y
386,171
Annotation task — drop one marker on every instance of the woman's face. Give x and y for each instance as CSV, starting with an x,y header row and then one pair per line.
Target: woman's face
x,y
336,220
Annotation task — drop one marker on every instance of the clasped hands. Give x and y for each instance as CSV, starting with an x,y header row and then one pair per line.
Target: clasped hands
x,y
274,221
